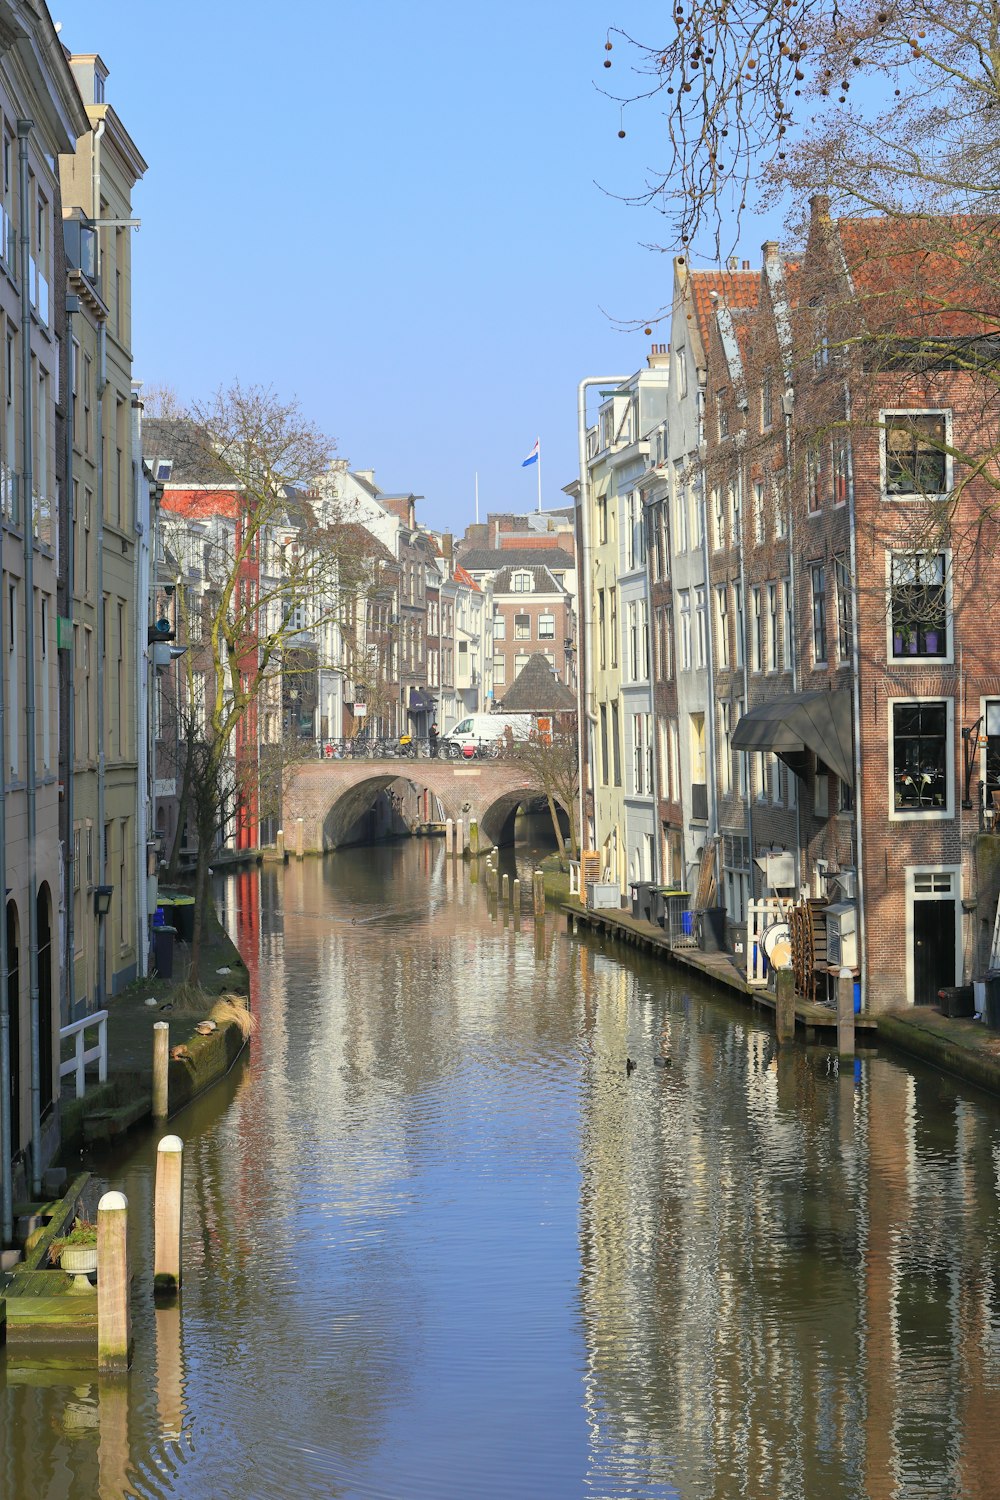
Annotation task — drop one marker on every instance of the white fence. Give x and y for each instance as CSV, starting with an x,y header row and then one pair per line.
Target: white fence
x,y
760,915
98,1053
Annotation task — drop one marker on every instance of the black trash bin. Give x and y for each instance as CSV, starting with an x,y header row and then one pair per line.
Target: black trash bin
x,y
642,899
957,1000
163,951
991,1007
184,918
710,926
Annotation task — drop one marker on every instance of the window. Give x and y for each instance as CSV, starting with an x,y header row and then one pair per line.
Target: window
x,y
722,414
920,756
520,662
601,630
499,627
722,625
616,752
845,610
756,630
633,640
499,671
684,602
813,500
718,521
680,373
604,744
766,403
789,624
643,638
738,621
522,627
546,627
602,520
758,512
817,578
841,454
726,741
697,520
639,756
914,452
680,510
778,509
734,516
772,662
520,583
774,770
613,597
919,605
700,629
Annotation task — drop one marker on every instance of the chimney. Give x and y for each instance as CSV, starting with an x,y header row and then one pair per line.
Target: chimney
x,y
732,264
658,356
368,475
746,265
819,203
447,544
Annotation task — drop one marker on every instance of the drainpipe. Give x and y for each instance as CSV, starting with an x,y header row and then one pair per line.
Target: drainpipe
x,y
655,756
69,875
711,749
856,705
586,687
791,647
101,757
24,129
748,809
140,718
6,1185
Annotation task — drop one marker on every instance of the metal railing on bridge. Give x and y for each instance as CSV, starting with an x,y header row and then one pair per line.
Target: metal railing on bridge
x,y
409,748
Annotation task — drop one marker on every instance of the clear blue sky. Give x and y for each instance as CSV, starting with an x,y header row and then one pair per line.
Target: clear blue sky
x,y
391,211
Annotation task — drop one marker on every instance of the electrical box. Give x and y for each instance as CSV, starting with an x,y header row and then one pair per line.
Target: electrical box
x,y
778,868
842,935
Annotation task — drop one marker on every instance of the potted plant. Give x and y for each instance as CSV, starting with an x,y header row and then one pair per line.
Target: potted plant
x,y
76,1253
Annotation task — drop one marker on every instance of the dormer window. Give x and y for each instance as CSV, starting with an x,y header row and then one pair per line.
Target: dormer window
x,y
521,583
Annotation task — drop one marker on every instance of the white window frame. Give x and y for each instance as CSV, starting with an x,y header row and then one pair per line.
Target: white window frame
x,y
927,662
949,467
928,814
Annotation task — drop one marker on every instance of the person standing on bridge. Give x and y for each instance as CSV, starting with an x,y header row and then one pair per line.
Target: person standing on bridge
x,y
433,737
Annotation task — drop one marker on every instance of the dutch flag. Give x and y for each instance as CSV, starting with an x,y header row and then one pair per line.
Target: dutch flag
x,y
532,457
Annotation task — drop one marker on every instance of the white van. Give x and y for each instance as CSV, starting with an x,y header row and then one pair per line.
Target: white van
x,y
483,733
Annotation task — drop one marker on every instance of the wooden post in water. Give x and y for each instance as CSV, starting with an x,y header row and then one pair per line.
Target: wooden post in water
x,y
161,1069
114,1321
845,1013
300,838
449,836
505,890
167,1214
279,840
538,894
515,900
784,1011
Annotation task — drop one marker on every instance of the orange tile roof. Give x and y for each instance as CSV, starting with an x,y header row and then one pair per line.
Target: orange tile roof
x,y
737,289
461,576
925,276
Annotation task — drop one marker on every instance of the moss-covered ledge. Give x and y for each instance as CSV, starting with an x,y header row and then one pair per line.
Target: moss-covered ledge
x,y
965,1049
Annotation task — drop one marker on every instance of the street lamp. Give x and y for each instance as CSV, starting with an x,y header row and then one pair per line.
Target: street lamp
x,y
102,899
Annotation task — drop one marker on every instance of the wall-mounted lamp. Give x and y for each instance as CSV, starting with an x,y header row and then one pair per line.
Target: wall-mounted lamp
x,y
102,899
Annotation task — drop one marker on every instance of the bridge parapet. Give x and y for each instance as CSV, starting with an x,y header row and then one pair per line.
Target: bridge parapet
x,y
331,795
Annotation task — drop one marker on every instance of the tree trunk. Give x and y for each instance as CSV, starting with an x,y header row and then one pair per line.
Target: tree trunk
x,y
201,877
182,812
554,814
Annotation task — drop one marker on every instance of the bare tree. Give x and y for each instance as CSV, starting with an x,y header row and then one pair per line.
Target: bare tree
x,y
276,568
552,763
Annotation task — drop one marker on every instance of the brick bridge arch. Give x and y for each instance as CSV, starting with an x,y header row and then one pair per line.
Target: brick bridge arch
x,y
331,795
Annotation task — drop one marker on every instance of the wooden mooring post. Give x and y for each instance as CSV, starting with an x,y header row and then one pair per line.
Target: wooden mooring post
x,y
784,1010
114,1317
515,900
161,1069
538,894
449,836
505,890
845,1013
167,1215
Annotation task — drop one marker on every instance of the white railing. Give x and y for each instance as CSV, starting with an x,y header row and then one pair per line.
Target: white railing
x,y
78,1062
574,877
760,915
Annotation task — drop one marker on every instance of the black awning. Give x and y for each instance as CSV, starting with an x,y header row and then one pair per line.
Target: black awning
x,y
420,703
820,722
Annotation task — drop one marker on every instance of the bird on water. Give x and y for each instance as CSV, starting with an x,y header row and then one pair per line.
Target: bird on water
x,y
630,1067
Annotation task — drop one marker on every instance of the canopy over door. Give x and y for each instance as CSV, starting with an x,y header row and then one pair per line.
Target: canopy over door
x,y
820,722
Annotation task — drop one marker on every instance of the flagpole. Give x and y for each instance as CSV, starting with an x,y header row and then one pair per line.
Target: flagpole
x,y
539,475
477,497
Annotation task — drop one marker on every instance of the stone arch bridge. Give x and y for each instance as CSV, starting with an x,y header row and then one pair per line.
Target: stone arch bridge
x,y
330,796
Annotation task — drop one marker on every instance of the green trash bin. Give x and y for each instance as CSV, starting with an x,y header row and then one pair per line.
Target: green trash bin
x,y
183,914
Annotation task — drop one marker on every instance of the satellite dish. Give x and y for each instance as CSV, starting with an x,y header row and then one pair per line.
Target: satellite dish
x,y
776,943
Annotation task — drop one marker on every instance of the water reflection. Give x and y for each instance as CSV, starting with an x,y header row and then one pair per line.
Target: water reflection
x,y
438,1243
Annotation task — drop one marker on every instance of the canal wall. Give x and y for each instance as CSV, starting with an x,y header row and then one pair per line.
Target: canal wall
x,y
966,1049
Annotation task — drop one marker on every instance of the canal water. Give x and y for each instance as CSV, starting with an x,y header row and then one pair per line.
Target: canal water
x,y
438,1242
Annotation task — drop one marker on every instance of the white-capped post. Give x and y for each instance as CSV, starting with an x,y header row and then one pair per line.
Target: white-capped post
x,y
114,1316
167,1216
